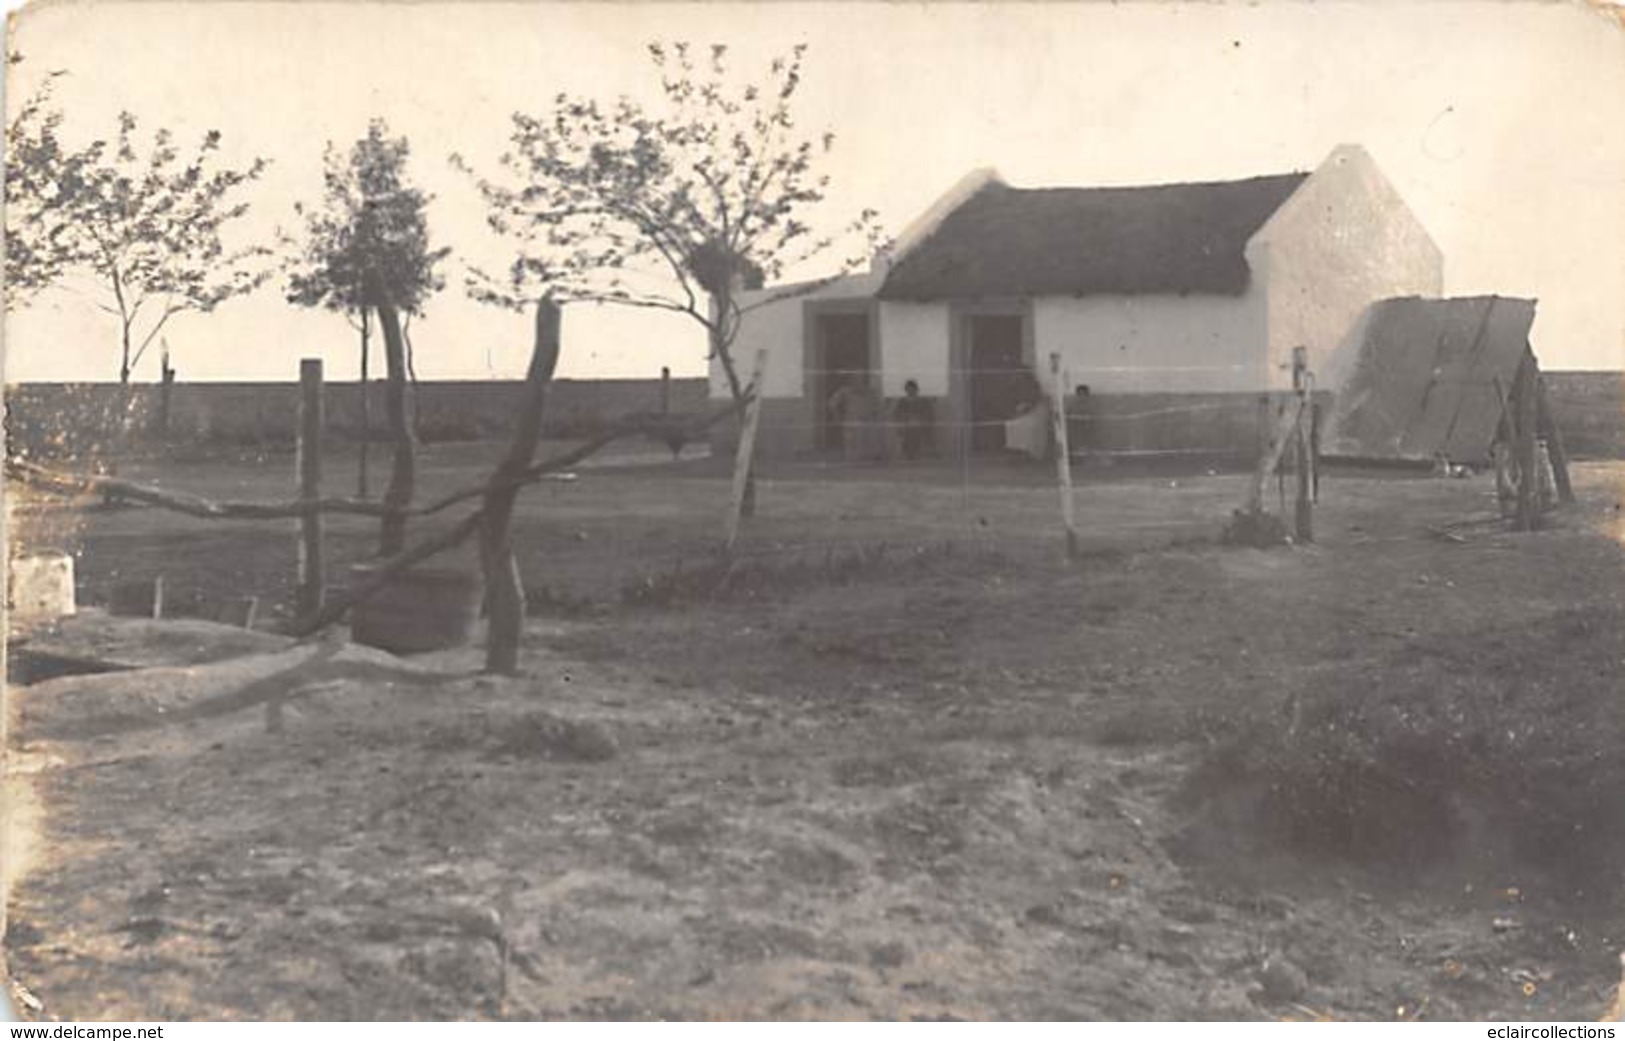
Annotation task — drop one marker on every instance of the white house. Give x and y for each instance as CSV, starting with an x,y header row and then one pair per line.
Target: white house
x,y
1165,300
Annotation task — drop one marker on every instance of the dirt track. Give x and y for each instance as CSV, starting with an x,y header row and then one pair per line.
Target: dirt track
x,y
956,786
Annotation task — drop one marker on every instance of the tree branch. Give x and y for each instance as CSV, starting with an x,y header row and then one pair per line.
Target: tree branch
x,y
58,482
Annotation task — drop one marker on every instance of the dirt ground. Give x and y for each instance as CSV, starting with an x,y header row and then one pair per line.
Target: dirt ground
x,y
905,764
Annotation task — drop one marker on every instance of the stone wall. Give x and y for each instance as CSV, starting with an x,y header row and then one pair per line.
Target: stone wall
x,y
79,418
1590,410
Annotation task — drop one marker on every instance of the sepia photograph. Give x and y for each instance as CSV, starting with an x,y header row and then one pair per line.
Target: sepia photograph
x,y
814,511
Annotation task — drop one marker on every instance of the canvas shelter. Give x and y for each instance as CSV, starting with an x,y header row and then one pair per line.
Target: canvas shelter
x,y
1419,380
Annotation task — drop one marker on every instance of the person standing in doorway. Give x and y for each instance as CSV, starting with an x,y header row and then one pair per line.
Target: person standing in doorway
x,y
913,416
1080,420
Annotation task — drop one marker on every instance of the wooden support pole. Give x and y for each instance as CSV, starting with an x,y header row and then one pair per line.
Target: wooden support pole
x,y
166,395
1285,424
1303,514
1063,452
1314,447
1546,426
745,452
504,589
1523,402
310,593
1506,492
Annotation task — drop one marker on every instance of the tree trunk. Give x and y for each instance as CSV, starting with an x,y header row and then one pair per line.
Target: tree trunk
x,y
311,568
365,402
397,407
124,359
504,591
122,434
722,304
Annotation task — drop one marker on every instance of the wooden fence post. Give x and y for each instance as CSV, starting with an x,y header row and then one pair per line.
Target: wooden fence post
x,y
746,451
166,395
665,390
1063,452
310,487
1285,424
1266,424
1546,424
1303,518
1314,445
1523,400
504,589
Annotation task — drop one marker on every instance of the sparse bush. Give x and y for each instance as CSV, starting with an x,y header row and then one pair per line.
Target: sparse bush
x,y
1260,530
543,599
538,735
531,735
767,576
1509,747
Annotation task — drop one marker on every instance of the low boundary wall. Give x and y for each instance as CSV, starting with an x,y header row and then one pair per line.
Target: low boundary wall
x,y
77,418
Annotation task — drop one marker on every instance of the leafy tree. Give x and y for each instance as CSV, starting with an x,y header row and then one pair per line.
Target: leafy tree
x,y
367,247
39,173
676,209
144,221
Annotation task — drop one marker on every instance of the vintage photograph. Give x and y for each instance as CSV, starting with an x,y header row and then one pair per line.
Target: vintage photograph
x,y
814,511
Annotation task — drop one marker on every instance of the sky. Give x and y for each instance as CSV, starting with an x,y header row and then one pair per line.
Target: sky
x,y
1497,122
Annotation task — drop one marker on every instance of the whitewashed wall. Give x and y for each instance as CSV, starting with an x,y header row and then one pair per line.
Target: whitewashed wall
x,y
914,346
1344,239
1154,343
777,327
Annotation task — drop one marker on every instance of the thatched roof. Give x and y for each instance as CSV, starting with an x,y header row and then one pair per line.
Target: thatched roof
x,y
1416,379
1174,238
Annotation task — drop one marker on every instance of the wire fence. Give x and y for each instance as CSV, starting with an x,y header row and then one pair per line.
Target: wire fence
x,y
652,532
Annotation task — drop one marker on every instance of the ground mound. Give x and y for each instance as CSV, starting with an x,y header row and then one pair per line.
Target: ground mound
x,y
1501,752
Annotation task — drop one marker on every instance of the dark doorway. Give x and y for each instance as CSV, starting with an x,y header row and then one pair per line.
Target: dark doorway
x,y
841,359
1000,383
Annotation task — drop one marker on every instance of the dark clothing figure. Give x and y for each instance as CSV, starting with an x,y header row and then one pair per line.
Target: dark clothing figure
x,y
1080,418
914,417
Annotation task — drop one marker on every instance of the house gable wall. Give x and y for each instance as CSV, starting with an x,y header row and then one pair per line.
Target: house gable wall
x,y
1344,239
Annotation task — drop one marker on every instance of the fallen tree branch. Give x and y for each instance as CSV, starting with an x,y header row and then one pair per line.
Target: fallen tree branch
x,y
339,605
531,474
59,482
36,476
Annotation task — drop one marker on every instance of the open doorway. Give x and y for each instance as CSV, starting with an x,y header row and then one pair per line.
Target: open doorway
x,y
1000,383
842,359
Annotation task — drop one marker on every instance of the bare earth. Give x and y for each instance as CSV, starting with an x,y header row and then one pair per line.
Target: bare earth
x,y
904,763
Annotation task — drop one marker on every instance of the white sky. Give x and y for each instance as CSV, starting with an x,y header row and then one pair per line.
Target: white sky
x,y
1497,122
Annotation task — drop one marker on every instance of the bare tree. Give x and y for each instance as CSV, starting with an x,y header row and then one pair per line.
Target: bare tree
x,y
677,210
